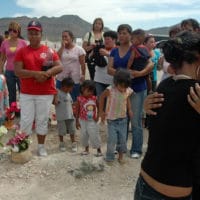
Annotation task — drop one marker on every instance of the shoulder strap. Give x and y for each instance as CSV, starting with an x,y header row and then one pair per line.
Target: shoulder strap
x,y
137,52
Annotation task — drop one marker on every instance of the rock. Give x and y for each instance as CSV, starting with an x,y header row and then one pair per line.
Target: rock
x,y
87,167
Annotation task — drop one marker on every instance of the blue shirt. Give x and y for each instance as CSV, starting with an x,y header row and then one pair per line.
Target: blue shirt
x,y
120,62
137,84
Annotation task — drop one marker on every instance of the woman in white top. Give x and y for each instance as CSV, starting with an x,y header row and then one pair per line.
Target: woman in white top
x,y
72,57
102,78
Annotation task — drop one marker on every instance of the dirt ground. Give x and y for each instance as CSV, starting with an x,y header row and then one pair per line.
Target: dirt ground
x,y
52,178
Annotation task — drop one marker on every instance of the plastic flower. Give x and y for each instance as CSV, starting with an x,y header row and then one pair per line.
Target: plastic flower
x,y
15,148
15,107
10,111
3,130
10,114
20,142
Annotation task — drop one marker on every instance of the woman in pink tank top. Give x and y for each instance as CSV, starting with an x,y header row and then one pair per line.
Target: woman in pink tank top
x,y
8,49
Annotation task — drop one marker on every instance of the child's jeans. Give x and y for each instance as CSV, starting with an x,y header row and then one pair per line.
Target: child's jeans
x,y
116,137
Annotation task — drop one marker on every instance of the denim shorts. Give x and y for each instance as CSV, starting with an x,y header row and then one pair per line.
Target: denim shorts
x,y
143,191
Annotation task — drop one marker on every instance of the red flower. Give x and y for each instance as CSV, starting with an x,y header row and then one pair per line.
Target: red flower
x,y
10,114
17,139
14,107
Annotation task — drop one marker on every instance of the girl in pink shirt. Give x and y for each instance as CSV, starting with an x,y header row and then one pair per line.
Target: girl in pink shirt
x,y
87,117
117,106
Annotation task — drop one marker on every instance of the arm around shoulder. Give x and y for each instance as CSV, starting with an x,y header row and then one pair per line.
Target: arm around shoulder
x,y
111,71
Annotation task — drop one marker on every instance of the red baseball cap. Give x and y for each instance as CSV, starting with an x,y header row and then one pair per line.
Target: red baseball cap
x,y
34,25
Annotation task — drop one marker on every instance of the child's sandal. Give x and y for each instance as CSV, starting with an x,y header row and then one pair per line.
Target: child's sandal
x,y
84,153
121,161
99,154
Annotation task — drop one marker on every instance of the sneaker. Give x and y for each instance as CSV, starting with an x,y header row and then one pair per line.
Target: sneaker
x,y
42,151
74,147
108,162
115,152
98,154
62,146
135,155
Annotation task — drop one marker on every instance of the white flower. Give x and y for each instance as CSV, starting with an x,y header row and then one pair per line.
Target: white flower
x,y
15,148
5,148
3,130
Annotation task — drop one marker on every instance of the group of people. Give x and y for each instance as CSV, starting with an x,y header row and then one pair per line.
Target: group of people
x,y
170,168
122,65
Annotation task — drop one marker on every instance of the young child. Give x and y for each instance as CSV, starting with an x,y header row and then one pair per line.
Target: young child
x,y
4,104
117,106
64,113
87,117
140,54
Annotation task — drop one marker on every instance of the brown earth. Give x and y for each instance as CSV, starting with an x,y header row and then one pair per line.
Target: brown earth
x,y
51,177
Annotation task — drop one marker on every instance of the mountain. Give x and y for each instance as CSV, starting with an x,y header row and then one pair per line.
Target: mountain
x,y
160,31
53,26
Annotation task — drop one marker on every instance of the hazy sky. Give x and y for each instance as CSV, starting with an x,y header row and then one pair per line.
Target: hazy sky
x,y
144,14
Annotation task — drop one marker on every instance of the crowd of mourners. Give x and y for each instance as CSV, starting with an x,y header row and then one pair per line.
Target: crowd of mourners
x,y
123,92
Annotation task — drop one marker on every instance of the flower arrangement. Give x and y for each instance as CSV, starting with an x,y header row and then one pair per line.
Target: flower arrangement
x,y
19,142
15,107
10,114
3,131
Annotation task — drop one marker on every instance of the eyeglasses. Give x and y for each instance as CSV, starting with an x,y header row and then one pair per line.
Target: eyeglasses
x,y
12,30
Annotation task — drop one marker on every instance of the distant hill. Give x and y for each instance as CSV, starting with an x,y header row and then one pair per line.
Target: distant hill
x,y
160,31
53,26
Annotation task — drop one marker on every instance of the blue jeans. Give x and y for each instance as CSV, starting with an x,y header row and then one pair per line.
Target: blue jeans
x,y
137,100
12,84
143,191
74,93
116,137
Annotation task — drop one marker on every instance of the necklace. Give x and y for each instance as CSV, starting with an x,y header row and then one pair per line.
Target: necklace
x,y
181,76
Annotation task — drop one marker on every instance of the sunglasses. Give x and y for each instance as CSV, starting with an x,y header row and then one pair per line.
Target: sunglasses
x,y
12,30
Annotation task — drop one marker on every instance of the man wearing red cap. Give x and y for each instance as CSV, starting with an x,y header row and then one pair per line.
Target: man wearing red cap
x,y
36,65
